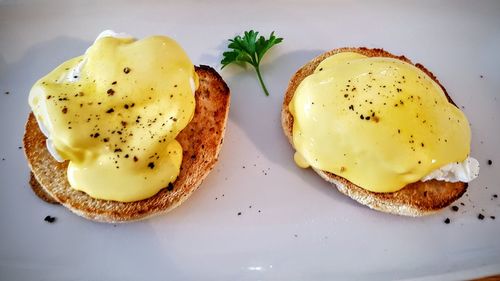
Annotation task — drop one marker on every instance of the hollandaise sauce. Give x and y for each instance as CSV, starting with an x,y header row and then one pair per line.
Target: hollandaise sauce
x,y
379,122
115,112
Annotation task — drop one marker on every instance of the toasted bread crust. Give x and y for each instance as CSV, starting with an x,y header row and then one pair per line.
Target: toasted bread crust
x,y
40,192
416,199
201,141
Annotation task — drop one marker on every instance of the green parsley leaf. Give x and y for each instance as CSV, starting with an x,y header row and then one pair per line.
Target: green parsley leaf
x,y
249,49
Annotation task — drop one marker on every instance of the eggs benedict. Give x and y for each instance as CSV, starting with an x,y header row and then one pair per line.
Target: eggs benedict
x,y
127,130
382,129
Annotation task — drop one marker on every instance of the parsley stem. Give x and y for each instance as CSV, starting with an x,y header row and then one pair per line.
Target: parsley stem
x,y
257,69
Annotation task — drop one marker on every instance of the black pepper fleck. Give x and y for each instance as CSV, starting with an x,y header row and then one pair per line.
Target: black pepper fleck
x,y
480,217
110,110
50,219
490,162
170,186
447,220
126,70
454,208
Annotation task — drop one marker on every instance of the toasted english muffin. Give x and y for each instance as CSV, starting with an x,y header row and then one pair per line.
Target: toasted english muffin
x,y
201,141
415,199
40,191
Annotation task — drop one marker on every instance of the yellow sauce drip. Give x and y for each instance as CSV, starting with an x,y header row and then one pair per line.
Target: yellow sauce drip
x,y
115,112
379,122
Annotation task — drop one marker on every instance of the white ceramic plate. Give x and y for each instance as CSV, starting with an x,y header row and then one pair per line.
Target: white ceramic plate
x,y
293,225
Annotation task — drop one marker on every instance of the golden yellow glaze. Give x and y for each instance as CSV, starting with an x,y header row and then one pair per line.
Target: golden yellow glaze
x,y
379,122
115,112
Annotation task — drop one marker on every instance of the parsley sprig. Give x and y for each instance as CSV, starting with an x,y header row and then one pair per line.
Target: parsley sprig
x,y
249,49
